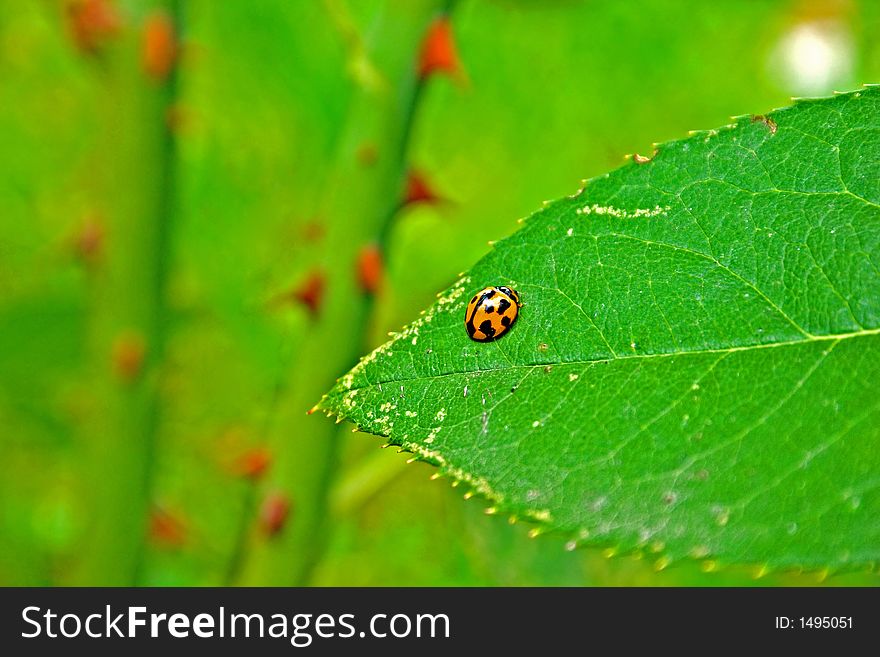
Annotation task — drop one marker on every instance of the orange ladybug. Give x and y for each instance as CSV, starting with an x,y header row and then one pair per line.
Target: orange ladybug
x,y
491,312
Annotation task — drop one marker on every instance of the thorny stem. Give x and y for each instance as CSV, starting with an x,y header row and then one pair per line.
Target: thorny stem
x,y
357,486
308,448
130,309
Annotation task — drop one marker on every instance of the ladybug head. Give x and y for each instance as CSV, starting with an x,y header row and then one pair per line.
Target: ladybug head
x,y
509,292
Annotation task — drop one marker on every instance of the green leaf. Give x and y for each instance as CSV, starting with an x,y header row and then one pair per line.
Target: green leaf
x,y
694,368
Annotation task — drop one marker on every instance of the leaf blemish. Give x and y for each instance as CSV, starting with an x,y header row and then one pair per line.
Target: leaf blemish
x,y
766,120
609,210
644,159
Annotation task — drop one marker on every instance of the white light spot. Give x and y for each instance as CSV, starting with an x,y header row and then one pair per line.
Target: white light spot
x,y
814,57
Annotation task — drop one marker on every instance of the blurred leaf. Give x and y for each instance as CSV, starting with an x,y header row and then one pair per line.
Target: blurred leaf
x,y
691,372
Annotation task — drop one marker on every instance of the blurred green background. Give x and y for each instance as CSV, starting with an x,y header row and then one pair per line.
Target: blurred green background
x,y
195,197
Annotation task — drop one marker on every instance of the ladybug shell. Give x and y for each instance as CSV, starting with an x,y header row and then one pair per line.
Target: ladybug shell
x,y
491,312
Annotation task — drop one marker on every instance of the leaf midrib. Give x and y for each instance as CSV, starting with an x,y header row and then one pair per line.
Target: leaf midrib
x,y
696,352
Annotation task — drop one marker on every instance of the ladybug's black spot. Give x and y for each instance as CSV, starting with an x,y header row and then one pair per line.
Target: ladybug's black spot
x,y
487,328
503,304
489,309
490,294
505,321
474,299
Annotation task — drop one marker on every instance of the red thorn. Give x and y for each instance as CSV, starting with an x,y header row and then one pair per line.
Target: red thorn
x,y
160,48
438,54
92,23
88,241
165,529
273,513
418,190
129,350
253,464
369,268
311,293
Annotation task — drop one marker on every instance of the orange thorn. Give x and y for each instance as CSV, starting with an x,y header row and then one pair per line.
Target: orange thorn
x,y
369,268
160,47
439,54
165,529
418,190
92,23
311,293
253,463
129,351
273,513
88,241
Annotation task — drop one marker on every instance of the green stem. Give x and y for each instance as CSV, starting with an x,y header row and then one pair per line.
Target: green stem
x,y
365,478
355,487
359,205
130,312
